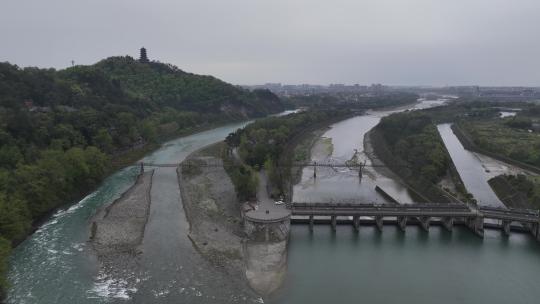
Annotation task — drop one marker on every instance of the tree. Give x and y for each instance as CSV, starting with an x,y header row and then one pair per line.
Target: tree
x,y
149,131
103,140
10,156
14,221
5,249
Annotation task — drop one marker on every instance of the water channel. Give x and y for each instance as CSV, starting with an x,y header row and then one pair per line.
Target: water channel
x,y
339,144
470,168
52,266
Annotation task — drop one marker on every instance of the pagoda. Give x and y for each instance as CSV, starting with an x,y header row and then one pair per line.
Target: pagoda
x,y
143,58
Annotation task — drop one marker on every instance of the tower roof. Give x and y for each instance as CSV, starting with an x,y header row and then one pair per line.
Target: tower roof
x,y
143,57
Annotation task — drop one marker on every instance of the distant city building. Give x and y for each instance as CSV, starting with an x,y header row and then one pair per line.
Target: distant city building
x,y
355,92
143,57
376,88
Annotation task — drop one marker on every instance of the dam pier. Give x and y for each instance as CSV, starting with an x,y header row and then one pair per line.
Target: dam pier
x,y
273,221
423,215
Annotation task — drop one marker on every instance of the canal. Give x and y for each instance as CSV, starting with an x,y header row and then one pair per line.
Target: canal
x,y
470,169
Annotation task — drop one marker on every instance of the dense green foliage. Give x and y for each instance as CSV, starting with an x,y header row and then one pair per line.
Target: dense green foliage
x,y
266,138
502,137
262,143
464,109
59,130
166,85
508,137
415,139
525,186
519,123
5,248
245,181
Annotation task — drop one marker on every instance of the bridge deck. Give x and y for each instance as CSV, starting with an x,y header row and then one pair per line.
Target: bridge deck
x,y
416,210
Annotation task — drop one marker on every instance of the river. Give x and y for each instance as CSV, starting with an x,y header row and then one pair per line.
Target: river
x,y
52,265
411,267
341,184
395,267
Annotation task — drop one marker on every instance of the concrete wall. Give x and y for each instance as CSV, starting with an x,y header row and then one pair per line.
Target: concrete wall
x,y
267,231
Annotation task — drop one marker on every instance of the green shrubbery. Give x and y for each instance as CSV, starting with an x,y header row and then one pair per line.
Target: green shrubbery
x,y
519,123
529,186
245,180
262,143
415,139
5,248
498,137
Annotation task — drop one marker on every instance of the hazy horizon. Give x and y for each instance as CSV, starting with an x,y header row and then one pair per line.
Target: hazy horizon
x,y
407,43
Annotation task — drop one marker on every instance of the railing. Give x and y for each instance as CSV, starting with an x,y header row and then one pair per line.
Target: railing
x,y
435,210
219,163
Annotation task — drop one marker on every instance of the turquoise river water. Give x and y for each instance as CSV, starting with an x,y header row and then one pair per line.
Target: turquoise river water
x,y
52,266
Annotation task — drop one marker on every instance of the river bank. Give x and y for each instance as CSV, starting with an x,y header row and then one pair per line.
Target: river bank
x,y
56,256
120,226
382,169
217,230
300,148
375,267
116,233
341,143
213,212
498,168
119,162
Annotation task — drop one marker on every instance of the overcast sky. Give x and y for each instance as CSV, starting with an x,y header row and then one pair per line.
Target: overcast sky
x,y
397,42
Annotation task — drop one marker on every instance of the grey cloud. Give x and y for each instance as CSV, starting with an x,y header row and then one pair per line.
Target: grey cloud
x,y
486,42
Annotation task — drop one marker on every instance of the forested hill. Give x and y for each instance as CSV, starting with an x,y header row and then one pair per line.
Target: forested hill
x,y
115,104
59,130
166,85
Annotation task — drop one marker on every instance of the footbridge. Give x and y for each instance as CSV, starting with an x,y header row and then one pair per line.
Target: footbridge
x,y
447,215
220,163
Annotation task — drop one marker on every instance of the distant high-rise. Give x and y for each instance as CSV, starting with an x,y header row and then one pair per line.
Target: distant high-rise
x,y
143,57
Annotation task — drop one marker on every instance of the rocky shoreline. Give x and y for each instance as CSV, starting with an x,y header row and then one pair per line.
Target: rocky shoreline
x,y
120,226
216,227
213,212
116,234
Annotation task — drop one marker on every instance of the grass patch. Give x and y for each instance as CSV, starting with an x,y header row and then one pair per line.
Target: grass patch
x,y
497,137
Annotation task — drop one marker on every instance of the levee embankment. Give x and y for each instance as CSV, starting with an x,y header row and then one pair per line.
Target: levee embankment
x,y
217,229
213,211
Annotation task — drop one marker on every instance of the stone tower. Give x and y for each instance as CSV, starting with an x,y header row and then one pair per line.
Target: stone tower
x,y
143,58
